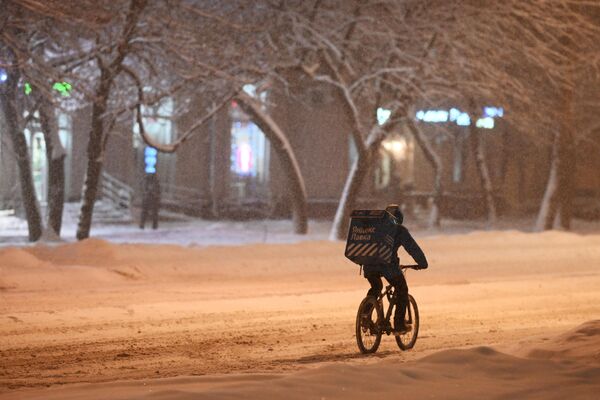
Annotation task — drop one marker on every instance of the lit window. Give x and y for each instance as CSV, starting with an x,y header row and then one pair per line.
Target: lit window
x,y
463,119
485,123
454,114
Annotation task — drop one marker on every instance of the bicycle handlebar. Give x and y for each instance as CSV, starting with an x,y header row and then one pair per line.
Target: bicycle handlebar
x,y
412,266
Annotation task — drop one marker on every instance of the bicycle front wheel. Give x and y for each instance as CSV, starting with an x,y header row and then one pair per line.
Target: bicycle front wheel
x,y
368,333
407,340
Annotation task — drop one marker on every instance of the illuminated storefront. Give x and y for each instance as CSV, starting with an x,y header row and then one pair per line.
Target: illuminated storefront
x,y
249,158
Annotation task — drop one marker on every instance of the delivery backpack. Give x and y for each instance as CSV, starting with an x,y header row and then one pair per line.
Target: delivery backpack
x,y
371,237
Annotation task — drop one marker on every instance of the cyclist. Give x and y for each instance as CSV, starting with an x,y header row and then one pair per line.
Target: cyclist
x,y
392,273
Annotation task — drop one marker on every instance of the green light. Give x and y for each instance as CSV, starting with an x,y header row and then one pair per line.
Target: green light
x,y
27,88
64,88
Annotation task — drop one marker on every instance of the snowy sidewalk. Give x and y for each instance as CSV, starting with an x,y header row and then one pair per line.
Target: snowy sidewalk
x,y
199,232
13,231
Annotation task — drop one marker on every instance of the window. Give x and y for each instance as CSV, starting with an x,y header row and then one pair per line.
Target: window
x,y
65,133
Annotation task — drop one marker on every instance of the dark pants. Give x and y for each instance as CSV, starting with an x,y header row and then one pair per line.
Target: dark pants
x,y
149,206
395,277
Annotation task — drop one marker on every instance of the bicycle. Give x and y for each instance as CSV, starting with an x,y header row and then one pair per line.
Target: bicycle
x,y
371,323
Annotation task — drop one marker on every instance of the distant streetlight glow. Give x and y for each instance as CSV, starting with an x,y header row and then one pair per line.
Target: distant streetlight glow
x,y
250,89
383,114
397,147
3,75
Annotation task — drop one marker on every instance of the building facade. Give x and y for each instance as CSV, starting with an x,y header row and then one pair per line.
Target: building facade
x,y
228,169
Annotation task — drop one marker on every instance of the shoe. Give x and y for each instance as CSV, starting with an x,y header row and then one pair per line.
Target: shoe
x,y
401,329
368,326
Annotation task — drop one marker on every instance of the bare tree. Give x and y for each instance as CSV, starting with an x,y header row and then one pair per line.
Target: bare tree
x,y
12,116
27,29
558,196
217,64
110,65
524,57
283,149
55,154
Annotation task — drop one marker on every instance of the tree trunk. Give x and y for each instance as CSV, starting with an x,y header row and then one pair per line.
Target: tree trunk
x,y
566,175
108,72
433,159
549,206
483,171
557,200
55,154
8,96
354,182
281,145
220,145
95,160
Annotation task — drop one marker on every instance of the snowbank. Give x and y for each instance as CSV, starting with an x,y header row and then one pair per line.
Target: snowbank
x,y
475,373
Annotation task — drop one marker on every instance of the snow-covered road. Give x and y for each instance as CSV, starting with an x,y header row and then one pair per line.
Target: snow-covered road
x,y
96,311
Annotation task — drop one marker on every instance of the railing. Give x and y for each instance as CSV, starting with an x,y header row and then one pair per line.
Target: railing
x,y
181,194
115,191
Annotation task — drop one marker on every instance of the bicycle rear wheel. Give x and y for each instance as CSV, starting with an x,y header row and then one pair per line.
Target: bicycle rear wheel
x,y
407,340
368,334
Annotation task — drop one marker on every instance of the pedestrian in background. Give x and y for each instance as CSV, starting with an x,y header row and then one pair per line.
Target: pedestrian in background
x,y
150,200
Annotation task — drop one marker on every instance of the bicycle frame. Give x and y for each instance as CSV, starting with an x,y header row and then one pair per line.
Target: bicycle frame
x,y
389,294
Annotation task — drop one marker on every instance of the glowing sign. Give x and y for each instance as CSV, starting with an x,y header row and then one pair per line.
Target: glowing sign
x,y
244,158
461,118
493,112
433,115
64,88
150,159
